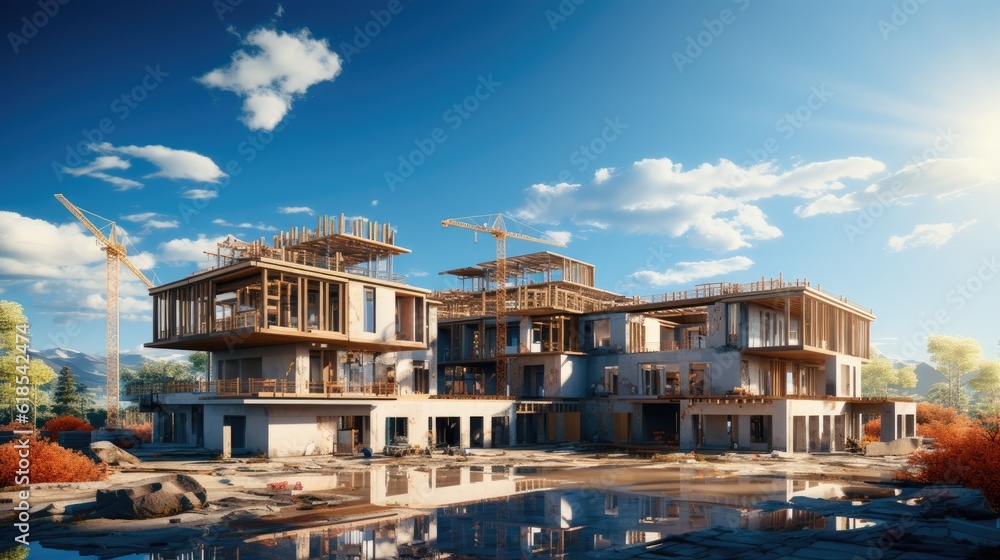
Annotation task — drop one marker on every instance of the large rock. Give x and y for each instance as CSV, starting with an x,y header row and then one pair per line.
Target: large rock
x,y
152,497
901,446
112,454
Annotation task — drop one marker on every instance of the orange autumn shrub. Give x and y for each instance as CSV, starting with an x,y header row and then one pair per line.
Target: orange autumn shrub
x,y
15,426
143,432
48,463
969,456
66,424
872,430
938,422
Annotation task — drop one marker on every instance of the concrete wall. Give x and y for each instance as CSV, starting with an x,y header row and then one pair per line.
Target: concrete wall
x,y
418,410
597,418
385,313
898,420
652,328
275,360
256,426
565,376
296,430
714,416
716,325
723,374
834,375
818,419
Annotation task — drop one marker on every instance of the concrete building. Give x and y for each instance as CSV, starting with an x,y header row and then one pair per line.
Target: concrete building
x,y
318,347
762,366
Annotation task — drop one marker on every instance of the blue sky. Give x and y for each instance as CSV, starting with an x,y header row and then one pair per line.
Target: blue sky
x,y
854,144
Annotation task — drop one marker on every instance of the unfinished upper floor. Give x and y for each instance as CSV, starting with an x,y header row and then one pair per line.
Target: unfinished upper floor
x,y
333,285
542,283
770,317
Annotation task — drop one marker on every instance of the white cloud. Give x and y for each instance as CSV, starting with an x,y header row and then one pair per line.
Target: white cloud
x,y
122,183
686,272
280,67
296,210
712,206
36,248
279,11
375,203
200,194
172,163
66,268
829,204
161,354
940,178
126,305
603,174
41,287
259,225
162,224
189,250
140,217
933,235
540,197
143,261
418,273
101,163
563,237
221,222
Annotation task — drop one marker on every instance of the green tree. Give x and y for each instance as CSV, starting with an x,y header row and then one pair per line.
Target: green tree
x,y
158,371
879,375
986,383
940,395
67,396
12,342
198,364
954,357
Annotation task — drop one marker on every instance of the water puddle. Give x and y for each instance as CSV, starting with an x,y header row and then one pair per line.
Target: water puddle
x,y
498,512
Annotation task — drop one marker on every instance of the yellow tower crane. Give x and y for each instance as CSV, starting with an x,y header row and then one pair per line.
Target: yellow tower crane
x,y
116,253
496,225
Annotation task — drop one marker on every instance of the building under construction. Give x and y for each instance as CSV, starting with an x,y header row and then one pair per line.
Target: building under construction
x,y
320,347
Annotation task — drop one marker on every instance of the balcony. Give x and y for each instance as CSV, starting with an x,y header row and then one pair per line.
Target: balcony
x,y
258,387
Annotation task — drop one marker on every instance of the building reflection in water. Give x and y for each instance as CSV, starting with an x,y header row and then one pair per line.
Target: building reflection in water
x,y
498,513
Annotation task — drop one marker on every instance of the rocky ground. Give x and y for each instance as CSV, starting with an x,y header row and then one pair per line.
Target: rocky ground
x,y
240,503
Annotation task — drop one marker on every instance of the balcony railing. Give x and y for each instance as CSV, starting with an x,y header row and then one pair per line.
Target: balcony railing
x,y
268,387
242,320
694,343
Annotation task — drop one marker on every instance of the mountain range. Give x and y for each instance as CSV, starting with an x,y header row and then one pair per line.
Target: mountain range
x,y
90,370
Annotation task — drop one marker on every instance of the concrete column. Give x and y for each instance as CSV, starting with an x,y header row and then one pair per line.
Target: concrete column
x,y
743,420
227,442
686,428
301,373
465,431
889,422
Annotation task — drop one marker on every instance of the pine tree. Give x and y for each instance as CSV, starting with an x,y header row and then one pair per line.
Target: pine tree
x,y
67,394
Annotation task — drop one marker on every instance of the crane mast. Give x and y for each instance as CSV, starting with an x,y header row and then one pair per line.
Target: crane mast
x,y
116,254
496,225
